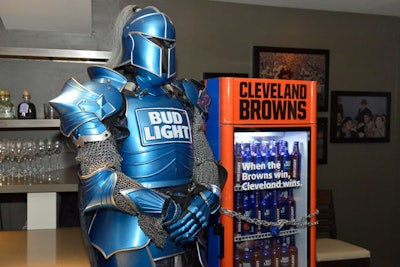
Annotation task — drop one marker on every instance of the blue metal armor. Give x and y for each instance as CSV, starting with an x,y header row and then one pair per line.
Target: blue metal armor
x,y
148,194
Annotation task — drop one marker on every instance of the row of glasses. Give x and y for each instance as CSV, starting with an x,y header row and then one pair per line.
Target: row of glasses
x,y
24,160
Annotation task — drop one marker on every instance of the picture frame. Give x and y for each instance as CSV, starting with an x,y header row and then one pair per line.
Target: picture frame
x,y
322,140
294,64
360,117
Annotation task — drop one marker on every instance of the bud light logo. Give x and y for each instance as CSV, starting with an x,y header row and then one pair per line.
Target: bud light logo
x,y
163,125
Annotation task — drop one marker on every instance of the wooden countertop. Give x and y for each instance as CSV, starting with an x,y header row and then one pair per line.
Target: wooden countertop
x,y
43,248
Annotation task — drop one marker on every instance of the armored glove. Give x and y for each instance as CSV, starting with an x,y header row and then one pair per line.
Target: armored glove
x,y
194,217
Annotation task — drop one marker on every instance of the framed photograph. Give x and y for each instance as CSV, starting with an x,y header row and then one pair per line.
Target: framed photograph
x,y
294,64
360,116
322,140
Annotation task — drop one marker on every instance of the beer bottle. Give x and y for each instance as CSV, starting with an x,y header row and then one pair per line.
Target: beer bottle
x,y
296,162
238,163
253,196
276,253
258,209
247,211
238,257
283,205
292,252
258,253
278,157
284,255
292,205
286,160
267,253
239,209
272,161
247,256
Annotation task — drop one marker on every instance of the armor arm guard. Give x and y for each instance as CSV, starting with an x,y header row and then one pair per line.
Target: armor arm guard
x,y
107,187
206,171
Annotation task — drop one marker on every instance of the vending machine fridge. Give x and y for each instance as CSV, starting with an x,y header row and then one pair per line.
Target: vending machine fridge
x,y
263,131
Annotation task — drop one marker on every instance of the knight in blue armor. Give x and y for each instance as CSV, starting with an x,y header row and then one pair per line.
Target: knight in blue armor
x,y
148,181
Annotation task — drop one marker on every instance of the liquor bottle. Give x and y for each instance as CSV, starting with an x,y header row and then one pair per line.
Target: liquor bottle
x,y
292,252
2,104
7,108
26,109
296,161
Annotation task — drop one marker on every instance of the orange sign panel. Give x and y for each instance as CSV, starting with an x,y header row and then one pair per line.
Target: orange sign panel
x,y
255,101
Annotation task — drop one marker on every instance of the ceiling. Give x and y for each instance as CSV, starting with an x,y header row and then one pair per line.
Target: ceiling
x,y
75,16
374,7
69,16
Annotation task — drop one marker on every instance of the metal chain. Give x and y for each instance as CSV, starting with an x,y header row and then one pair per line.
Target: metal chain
x,y
299,223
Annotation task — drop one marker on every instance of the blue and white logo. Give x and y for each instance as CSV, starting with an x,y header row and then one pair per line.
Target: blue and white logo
x,y
163,125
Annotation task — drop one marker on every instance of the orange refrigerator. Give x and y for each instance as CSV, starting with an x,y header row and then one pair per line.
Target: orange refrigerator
x,y
263,131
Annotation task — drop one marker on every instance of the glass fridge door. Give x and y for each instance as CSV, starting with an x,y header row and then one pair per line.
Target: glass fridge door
x,y
271,196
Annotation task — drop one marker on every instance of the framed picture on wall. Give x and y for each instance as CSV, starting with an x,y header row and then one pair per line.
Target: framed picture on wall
x,y
360,116
294,64
322,140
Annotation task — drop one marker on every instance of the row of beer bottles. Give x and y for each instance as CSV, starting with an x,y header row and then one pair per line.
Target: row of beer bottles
x,y
268,205
268,156
272,252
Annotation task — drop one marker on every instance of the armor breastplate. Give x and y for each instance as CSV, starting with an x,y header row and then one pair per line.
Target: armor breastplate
x,y
158,152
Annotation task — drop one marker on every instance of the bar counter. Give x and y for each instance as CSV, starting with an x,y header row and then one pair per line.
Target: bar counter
x,y
43,248
42,196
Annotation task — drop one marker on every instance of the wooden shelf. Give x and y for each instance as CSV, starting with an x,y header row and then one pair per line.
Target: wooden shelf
x,y
67,181
33,124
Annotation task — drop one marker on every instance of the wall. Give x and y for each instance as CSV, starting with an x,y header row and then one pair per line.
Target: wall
x,y
218,37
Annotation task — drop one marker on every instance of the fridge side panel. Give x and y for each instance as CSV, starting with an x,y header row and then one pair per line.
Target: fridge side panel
x,y
227,201
213,121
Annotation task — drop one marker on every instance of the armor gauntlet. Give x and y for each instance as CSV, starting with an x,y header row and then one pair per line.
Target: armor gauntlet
x,y
203,201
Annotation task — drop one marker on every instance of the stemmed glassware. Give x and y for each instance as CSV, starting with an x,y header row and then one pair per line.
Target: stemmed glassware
x,y
30,161
3,167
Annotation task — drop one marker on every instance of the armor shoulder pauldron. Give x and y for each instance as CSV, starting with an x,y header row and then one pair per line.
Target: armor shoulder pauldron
x,y
190,91
89,102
